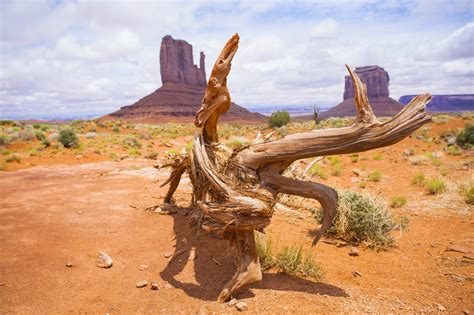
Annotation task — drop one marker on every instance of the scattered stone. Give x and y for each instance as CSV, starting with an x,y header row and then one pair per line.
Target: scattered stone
x,y
123,156
69,265
232,302
155,285
142,284
459,249
167,144
241,306
2,284
143,267
132,206
104,260
79,212
168,254
441,308
353,251
466,312
356,274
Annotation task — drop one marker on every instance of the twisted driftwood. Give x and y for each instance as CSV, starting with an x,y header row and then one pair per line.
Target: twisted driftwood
x,y
234,192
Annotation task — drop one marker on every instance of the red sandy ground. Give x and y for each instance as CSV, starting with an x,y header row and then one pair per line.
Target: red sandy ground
x,y
57,214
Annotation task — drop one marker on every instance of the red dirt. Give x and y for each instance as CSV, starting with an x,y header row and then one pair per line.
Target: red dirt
x,y
53,215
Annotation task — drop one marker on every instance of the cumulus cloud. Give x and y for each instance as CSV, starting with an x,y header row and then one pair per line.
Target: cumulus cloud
x,y
89,58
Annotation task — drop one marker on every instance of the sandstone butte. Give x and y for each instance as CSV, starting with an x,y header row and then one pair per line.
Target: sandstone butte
x,y
376,80
180,96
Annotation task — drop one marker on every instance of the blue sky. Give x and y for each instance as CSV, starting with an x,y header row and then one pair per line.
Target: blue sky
x,y
85,58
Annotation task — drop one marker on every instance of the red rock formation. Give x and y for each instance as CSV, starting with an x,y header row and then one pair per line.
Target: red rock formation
x,y
181,94
376,80
177,65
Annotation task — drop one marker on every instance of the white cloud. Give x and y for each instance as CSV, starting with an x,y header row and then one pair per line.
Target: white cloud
x,y
93,57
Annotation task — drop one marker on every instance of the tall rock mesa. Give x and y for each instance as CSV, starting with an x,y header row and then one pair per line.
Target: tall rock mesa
x,y
375,78
177,64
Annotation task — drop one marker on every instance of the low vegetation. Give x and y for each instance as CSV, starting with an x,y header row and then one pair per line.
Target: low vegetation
x,y
291,260
418,180
465,138
435,186
364,219
398,201
467,192
375,176
68,138
279,118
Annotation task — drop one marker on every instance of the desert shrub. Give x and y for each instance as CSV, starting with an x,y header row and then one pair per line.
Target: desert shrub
x,y
453,150
279,118
116,129
68,138
237,143
398,201
375,176
465,138
418,180
354,158
13,158
4,139
377,157
40,135
27,134
264,251
435,186
363,218
152,155
467,192
7,123
131,142
318,171
336,164
91,135
418,159
293,261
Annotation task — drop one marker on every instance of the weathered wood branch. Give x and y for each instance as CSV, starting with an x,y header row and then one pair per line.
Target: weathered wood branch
x,y
235,193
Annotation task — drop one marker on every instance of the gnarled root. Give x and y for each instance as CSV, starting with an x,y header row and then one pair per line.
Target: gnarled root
x,y
244,251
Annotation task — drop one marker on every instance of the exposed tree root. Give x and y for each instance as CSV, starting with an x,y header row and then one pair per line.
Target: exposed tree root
x,y
234,193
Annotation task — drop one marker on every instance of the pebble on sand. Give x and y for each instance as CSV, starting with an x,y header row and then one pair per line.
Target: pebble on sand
x,y
241,306
155,285
142,284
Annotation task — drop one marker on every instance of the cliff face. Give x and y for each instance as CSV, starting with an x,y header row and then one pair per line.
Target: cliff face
x,y
446,103
177,65
376,80
183,88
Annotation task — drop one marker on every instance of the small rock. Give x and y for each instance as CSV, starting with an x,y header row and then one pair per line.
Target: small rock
x,y
441,308
69,265
356,274
2,284
143,267
123,157
466,312
155,285
232,302
241,306
142,284
79,212
353,251
104,260
168,254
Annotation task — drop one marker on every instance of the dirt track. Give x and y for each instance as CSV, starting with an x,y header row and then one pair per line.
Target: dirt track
x,y
52,215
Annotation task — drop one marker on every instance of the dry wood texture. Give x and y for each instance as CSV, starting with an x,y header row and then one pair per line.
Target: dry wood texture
x,y
234,193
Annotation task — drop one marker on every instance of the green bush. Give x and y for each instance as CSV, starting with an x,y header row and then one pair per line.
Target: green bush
x,y
465,138
40,135
264,251
4,139
418,180
398,201
293,261
318,171
237,143
363,218
13,158
279,118
131,142
68,138
467,192
435,186
375,176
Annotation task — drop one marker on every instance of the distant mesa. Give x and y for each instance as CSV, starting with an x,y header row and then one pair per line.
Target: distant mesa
x,y
377,81
180,96
446,103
